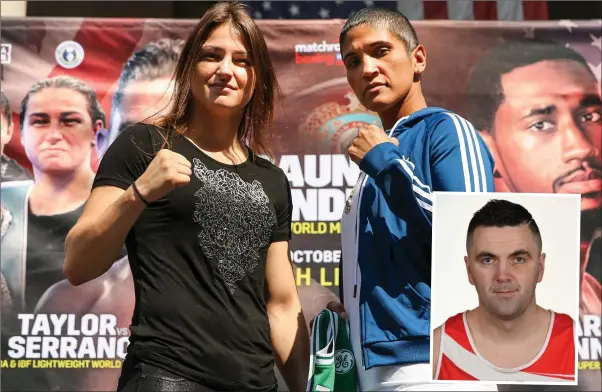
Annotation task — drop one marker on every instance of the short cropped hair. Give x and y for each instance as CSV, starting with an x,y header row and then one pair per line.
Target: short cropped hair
x,y
394,21
5,108
502,213
484,92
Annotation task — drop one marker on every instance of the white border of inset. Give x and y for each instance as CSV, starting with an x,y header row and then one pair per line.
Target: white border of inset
x,y
516,198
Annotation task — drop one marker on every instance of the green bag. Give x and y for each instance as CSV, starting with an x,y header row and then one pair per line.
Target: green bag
x,y
332,366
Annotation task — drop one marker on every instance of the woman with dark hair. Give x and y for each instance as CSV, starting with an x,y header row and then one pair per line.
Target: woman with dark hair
x,y
206,223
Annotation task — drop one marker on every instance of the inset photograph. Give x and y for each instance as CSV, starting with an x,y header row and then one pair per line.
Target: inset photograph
x,y
505,288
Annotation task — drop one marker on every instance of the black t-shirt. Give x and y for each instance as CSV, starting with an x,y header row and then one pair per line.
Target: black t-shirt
x,y
44,267
46,252
198,261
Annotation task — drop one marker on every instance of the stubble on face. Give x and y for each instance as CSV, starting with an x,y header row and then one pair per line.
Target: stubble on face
x,y
548,131
504,268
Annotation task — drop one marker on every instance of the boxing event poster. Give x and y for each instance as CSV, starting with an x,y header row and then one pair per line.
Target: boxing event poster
x,y
59,337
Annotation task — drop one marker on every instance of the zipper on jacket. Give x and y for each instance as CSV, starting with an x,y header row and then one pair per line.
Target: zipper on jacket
x,y
358,184
361,182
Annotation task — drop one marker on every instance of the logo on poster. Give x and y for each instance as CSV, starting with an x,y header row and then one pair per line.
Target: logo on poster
x,y
337,123
5,51
69,54
318,53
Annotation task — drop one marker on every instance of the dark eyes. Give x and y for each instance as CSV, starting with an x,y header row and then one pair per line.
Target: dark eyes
x,y
376,53
67,121
546,126
214,57
382,51
591,117
489,260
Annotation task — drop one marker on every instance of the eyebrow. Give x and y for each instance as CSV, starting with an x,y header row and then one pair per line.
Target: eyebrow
x,y
586,101
541,111
520,252
218,49
46,115
485,254
591,100
38,114
516,253
370,45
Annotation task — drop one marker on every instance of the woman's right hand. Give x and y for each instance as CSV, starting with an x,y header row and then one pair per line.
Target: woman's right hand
x,y
166,171
338,308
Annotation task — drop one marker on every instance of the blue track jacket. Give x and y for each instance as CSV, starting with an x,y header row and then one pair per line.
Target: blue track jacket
x,y
386,267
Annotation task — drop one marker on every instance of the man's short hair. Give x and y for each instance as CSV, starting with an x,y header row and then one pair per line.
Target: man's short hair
x,y
5,108
484,92
502,213
156,60
67,82
378,18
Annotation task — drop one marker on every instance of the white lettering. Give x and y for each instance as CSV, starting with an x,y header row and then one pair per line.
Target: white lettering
x,y
57,321
589,349
317,47
589,346
41,326
67,347
292,168
25,319
335,170
346,172
591,325
316,256
67,324
318,204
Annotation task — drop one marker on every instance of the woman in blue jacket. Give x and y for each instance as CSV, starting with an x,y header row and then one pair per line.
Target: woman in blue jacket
x,y
386,226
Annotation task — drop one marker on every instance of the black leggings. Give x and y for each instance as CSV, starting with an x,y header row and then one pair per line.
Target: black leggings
x,y
140,377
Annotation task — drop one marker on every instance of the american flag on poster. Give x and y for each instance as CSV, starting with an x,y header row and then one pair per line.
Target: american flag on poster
x,y
584,37
509,10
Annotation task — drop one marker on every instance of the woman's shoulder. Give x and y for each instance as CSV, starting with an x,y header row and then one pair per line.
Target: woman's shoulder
x,y
270,171
266,162
144,129
144,134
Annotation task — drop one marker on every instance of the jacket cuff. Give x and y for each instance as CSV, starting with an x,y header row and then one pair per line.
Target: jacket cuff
x,y
378,158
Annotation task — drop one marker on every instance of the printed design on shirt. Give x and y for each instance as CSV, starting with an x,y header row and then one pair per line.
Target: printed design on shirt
x,y
235,220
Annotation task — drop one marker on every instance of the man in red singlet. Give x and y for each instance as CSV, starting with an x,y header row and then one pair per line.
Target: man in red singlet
x,y
507,337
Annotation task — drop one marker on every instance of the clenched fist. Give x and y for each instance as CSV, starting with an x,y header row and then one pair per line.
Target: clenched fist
x,y
366,139
166,171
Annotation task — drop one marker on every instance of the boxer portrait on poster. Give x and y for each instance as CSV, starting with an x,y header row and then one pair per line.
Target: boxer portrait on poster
x,y
58,119
538,107
10,169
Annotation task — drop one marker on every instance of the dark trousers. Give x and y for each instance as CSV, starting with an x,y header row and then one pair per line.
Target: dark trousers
x,y
140,377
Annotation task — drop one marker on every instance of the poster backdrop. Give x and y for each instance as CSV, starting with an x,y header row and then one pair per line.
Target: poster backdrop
x,y
115,72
